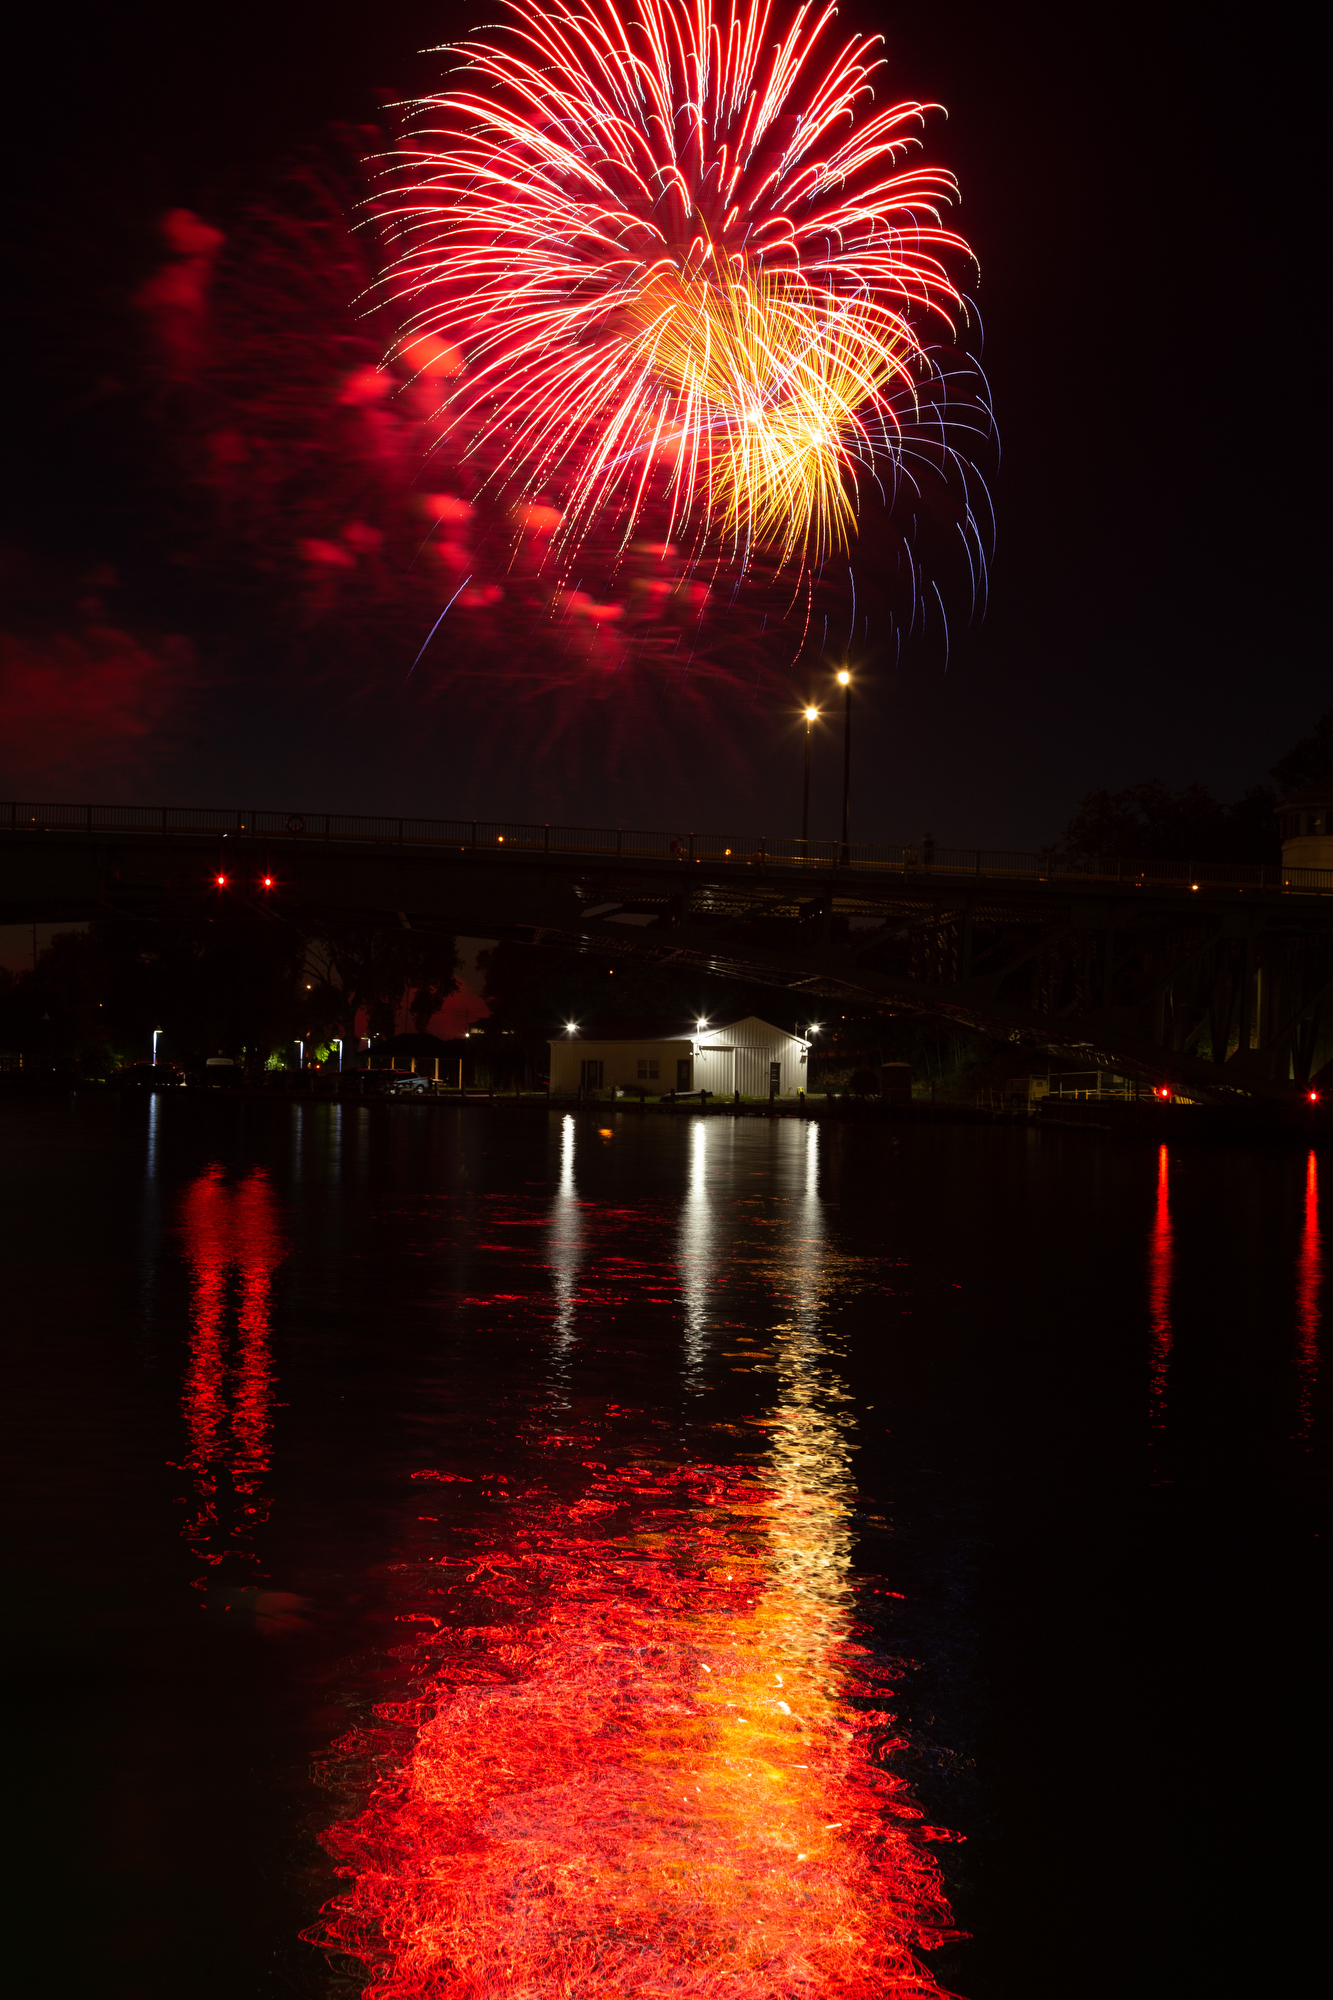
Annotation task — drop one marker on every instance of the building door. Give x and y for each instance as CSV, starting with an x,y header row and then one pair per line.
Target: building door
x,y
774,1078
590,1075
684,1067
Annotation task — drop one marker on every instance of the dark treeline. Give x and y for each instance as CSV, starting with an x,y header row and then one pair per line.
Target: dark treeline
x,y
1150,822
217,983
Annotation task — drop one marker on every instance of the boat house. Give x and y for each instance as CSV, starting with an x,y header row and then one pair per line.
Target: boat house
x,y
656,1057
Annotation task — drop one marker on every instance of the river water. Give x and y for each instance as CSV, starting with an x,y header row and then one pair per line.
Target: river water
x,y
483,1552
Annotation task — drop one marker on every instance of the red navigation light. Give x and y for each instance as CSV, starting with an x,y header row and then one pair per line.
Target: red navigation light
x,y
1313,1096
1162,1090
221,881
268,881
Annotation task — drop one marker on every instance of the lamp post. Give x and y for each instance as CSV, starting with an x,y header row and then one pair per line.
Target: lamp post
x,y
845,683
156,1033
811,716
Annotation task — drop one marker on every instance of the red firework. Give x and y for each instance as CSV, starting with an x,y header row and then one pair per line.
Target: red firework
x,y
670,259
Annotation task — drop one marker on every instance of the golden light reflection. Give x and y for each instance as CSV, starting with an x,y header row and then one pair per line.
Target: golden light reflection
x,y
565,1238
697,1245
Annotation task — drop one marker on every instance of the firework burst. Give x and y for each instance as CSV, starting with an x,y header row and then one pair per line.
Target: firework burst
x,y
686,265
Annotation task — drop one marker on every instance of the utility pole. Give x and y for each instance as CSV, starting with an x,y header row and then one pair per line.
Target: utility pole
x,y
845,683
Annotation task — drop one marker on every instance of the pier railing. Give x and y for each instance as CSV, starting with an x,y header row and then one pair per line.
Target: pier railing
x,y
611,844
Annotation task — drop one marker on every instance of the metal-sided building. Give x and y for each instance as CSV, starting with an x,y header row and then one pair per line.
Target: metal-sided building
x,y
721,1057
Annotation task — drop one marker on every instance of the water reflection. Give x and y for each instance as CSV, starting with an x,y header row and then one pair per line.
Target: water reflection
x,y
1309,1281
565,1238
233,1241
639,1755
696,1252
1161,1259
810,1444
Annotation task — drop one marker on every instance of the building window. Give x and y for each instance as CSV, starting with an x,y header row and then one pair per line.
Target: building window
x,y
590,1075
648,1069
775,1076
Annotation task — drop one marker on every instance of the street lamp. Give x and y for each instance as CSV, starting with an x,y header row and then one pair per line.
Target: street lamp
x,y
845,683
340,1056
811,717
156,1033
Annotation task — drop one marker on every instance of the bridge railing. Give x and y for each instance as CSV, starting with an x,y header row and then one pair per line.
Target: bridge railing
x,y
640,844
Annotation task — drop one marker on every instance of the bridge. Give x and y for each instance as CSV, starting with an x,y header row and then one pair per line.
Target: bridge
x,y
1214,978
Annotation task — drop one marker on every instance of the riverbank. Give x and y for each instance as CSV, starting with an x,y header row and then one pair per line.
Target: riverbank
x,y
1160,1121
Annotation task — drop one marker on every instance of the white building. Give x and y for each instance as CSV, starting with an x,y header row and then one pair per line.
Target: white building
x,y
721,1057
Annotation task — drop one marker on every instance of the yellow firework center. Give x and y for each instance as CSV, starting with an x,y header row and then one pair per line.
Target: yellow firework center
x,y
784,387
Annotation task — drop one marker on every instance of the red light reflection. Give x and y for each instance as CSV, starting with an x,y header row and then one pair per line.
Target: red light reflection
x,y
1309,1282
653,1769
225,1230
1161,1257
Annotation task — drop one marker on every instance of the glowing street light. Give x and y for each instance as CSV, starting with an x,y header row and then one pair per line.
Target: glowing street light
x,y
845,683
811,717
156,1033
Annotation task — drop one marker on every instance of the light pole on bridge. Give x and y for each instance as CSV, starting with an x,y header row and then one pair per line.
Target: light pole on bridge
x,y
845,683
811,717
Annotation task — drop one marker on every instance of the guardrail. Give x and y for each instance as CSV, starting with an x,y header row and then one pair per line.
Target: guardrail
x,y
631,843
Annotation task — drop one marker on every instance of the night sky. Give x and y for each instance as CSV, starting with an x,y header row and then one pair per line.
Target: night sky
x,y
1138,190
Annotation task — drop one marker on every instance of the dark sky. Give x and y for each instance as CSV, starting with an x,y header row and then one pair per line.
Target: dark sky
x,y
1138,188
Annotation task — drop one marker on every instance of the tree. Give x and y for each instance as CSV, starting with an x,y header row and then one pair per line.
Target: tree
x,y
367,971
1149,821
1308,765
214,981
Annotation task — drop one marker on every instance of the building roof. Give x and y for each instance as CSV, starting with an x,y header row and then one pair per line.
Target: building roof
x,y
629,1028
